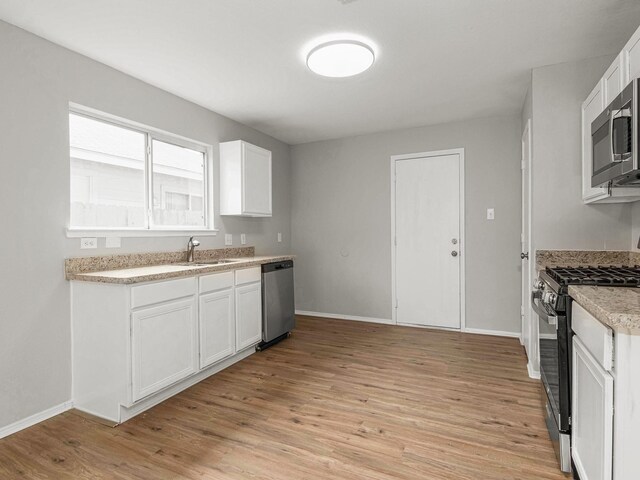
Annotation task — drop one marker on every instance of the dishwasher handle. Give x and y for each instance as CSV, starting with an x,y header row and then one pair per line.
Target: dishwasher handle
x,y
276,266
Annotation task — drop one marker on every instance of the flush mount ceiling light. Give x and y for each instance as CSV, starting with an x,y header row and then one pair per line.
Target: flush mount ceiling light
x,y
340,58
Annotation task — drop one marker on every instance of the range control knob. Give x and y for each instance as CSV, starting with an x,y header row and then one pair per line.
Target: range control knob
x,y
549,298
538,285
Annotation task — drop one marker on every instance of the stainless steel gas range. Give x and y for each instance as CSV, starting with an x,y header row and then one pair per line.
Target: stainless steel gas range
x,y
552,303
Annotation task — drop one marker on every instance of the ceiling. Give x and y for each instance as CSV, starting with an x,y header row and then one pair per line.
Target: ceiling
x,y
437,60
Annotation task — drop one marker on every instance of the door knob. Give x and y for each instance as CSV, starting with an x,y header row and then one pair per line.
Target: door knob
x,y
454,254
524,255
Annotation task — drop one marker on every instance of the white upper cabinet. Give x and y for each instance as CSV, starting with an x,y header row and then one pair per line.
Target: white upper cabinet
x,y
591,108
631,58
614,80
625,67
245,180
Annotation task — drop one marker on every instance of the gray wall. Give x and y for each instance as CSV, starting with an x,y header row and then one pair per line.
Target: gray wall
x,y
560,219
37,81
635,226
341,219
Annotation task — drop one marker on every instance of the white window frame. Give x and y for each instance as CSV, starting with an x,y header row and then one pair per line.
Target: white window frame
x,y
150,230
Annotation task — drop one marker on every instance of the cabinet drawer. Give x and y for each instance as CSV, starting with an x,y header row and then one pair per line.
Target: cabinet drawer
x,y
217,281
595,336
162,292
248,275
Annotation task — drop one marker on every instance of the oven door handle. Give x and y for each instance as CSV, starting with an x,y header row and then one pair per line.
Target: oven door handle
x,y
542,312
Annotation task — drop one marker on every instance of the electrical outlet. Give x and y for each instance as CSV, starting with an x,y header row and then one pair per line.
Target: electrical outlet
x,y
490,214
228,239
113,242
88,243
279,237
243,239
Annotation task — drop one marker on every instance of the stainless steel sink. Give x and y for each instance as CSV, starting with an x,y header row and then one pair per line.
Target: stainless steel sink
x,y
207,263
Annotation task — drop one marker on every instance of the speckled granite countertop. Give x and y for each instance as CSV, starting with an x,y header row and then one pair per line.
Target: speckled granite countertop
x,y
149,267
582,258
616,307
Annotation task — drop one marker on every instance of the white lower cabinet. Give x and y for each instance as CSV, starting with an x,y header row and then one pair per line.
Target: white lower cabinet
x,y
605,418
592,416
248,315
248,307
164,345
135,345
217,326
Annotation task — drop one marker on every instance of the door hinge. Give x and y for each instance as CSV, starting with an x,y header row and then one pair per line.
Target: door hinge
x,y
396,303
521,310
569,419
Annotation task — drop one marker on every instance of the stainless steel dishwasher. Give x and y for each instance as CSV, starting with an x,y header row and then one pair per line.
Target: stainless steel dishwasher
x,y
278,307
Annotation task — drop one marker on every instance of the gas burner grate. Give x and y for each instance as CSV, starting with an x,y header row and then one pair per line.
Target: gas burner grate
x,y
604,276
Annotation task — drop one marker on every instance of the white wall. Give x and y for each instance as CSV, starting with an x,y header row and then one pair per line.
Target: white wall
x,y
37,81
560,219
341,219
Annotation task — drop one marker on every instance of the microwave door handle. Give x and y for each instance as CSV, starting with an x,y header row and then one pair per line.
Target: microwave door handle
x,y
622,113
612,117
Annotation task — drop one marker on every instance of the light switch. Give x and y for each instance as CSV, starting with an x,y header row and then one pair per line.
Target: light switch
x,y
243,239
113,242
228,239
88,243
279,237
490,214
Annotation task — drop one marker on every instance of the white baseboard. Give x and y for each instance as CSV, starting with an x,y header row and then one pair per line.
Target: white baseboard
x,y
337,316
35,418
387,321
535,374
495,333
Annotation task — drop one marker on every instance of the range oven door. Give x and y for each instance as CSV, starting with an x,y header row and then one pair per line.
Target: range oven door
x,y
614,141
555,373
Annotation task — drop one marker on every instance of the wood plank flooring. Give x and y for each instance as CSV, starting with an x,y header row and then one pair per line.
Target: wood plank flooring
x,y
338,400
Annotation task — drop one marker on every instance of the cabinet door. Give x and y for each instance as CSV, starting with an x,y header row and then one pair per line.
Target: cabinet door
x,y
217,326
631,58
256,188
592,416
248,315
164,345
613,80
591,108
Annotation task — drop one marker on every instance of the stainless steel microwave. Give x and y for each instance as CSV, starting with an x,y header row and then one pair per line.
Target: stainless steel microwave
x,y
614,141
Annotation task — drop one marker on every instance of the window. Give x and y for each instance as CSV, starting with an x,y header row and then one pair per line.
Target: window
x,y
128,177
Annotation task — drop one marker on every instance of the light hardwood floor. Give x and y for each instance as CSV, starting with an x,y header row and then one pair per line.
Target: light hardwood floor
x,y
339,400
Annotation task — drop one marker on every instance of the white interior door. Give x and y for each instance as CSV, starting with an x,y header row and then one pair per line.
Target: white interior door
x,y
525,238
427,243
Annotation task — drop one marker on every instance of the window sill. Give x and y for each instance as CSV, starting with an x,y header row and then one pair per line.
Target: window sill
x,y
129,232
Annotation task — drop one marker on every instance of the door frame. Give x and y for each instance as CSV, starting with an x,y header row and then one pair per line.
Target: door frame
x,y
526,310
461,243
531,350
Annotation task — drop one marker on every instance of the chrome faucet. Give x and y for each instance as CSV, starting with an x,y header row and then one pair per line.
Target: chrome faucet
x,y
191,245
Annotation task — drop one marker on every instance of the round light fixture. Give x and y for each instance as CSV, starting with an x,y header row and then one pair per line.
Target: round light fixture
x,y
340,58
